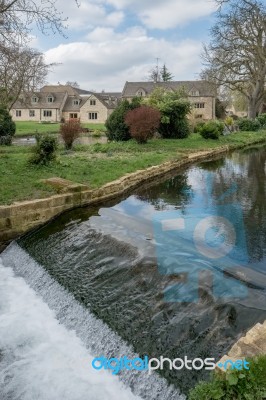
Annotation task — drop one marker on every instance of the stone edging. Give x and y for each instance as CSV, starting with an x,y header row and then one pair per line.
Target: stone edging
x,y
20,217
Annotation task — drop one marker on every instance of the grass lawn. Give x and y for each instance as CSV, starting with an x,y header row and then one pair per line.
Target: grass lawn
x,y
25,128
97,164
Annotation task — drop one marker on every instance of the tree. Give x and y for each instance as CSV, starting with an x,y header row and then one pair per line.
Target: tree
x,y
73,84
220,109
174,108
158,75
116,127
154,75
16,16
7,127
166,74
22,71
70,131
143,122
236,55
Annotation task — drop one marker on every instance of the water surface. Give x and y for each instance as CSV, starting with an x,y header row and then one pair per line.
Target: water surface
x,y
106,258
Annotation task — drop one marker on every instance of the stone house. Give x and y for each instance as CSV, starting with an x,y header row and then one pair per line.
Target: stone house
x,y
200,93
54,103
40,107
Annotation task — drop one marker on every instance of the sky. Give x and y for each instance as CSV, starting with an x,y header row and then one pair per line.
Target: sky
x,y
110,42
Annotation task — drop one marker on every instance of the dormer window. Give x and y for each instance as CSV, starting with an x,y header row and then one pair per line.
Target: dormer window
x,y
50,99
141,93
34,99
93,102
194,92
76,102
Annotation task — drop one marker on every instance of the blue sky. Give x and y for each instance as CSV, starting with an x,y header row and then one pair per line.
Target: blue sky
x,y
111,41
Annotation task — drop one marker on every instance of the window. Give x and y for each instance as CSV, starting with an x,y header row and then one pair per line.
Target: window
x,y
93,115
75,102
141,93
73,115
194,93
93,103
199,105
32,113
34,99
47,113
199,116
50,99
18,113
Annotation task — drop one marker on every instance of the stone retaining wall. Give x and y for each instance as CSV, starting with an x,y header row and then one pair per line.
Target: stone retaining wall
x,y
250,345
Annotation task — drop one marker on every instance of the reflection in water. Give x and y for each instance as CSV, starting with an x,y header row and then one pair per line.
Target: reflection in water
x,y
106,258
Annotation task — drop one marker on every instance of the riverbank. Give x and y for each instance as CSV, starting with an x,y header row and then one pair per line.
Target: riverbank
x,y
98,164
106,170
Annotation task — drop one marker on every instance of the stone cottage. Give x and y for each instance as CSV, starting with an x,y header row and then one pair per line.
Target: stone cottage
x,y
201,94
54,103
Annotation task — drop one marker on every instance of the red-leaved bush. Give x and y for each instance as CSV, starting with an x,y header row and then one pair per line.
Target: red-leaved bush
x,y
143,123
70,131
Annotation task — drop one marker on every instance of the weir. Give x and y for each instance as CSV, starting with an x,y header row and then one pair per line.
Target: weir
x,y
48,340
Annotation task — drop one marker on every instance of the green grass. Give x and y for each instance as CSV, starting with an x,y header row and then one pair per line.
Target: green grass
x,y
25,128
97,164
235,385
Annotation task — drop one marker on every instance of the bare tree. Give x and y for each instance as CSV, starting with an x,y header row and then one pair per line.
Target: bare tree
x,y
236,55
73,84
154,75
22,71
16,16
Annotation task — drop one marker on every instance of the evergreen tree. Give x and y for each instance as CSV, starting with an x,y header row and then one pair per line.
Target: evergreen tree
x,y
166,74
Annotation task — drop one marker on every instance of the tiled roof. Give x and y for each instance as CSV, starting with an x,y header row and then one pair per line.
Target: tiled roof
x,y
69,106
59,89
82,91
26,103
110,100
72,91
204,88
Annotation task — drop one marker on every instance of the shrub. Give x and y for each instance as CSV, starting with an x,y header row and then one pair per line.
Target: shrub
x,y
229,121
248,124
198,126
262,120
235,385
220,108
116,127
7,127
174,108
96,133
143,122
212,130
70,131
45,150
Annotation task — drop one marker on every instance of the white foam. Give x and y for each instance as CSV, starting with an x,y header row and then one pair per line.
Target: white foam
x,y
42,359
48,341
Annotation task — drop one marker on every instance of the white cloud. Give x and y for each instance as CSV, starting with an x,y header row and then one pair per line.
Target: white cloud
x,y
88,14
107,59
165,14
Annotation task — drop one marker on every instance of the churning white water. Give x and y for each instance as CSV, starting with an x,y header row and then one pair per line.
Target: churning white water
x,y
48,341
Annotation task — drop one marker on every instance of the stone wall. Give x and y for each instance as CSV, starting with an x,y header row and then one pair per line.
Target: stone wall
x,y
25,116
99,108
208,112
251,345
